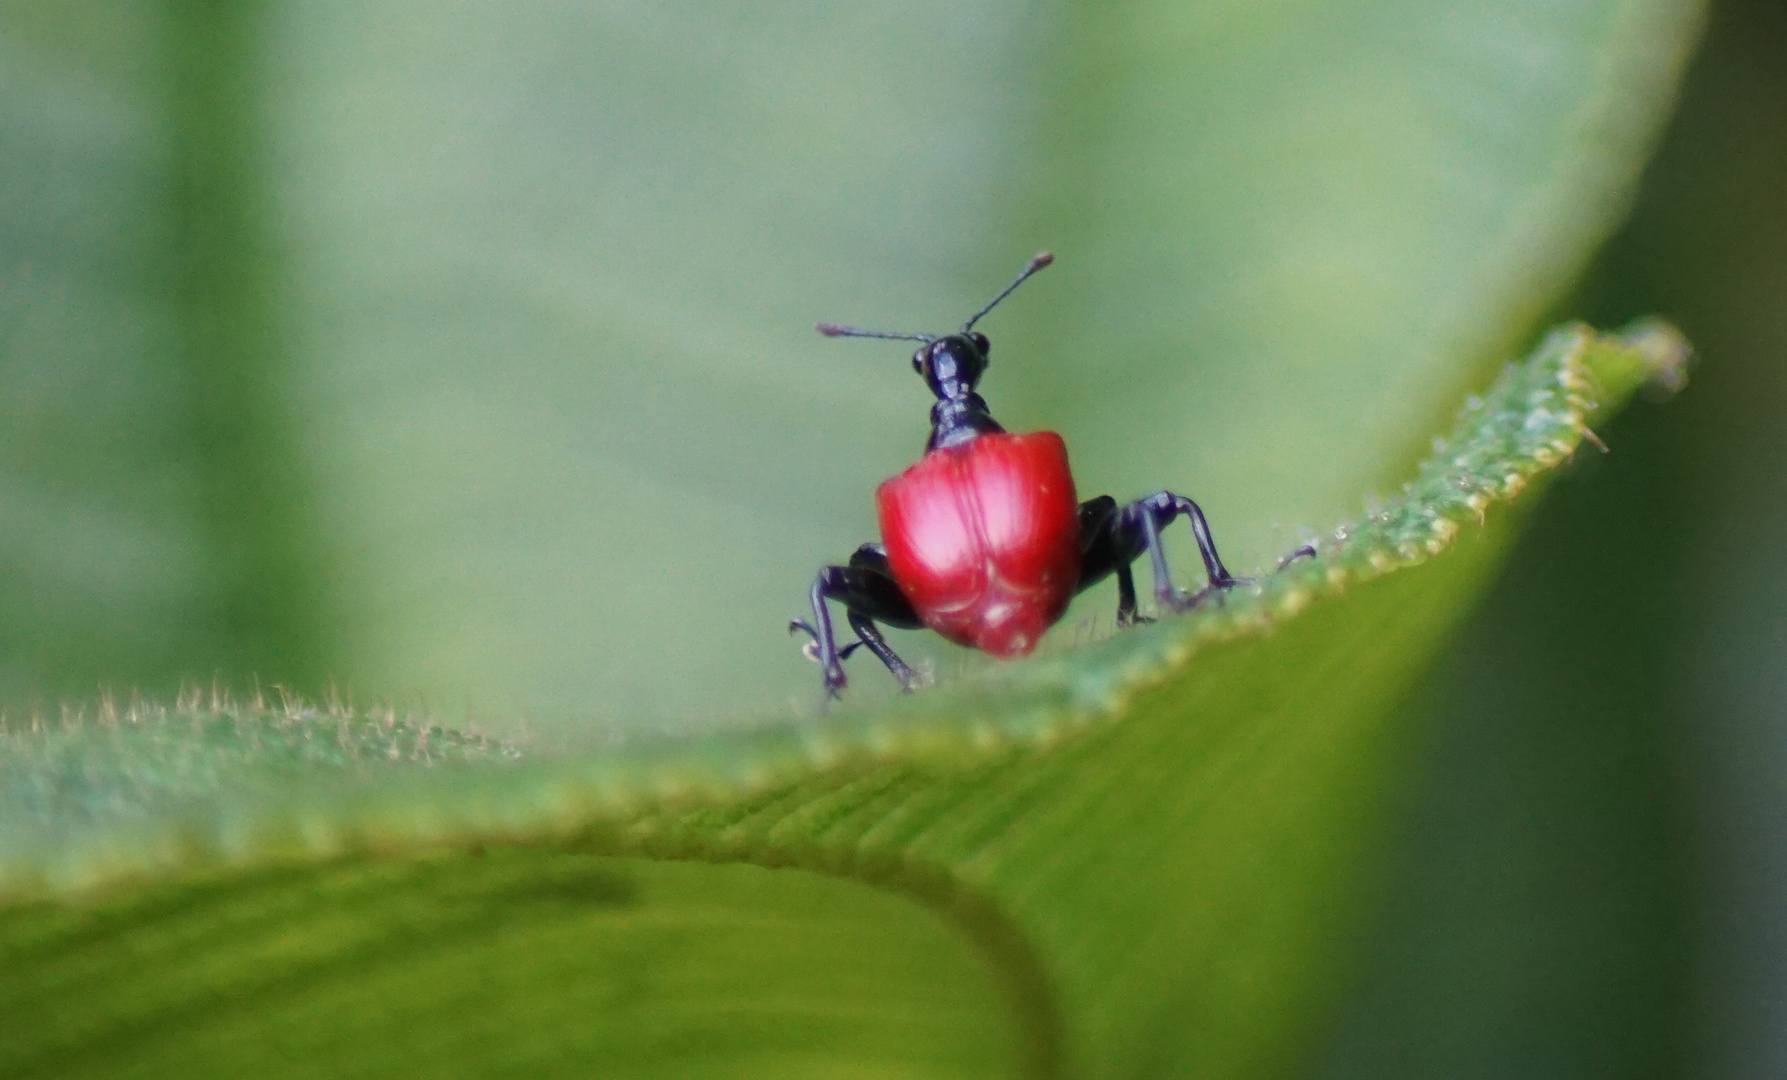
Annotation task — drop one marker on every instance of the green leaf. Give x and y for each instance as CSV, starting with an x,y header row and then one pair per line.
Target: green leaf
x,y
1133,858
464,355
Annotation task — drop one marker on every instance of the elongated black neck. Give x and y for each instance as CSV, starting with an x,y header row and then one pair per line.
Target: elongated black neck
x,y
958,418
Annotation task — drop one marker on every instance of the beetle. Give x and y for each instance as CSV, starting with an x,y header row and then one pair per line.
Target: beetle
x,y
983,539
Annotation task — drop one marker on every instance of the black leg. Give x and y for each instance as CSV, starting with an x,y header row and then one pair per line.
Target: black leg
x,y
1126,613
1155,513
1105,549
1167,506
1112,537
830,662
811,649
870,635
1307,551
869,594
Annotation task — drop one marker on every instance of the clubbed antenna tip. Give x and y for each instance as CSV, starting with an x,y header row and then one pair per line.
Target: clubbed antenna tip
x,y
1037,262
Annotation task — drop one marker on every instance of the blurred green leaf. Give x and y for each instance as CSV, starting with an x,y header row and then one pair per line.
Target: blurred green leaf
x,y
1134,858
462,353
1586,874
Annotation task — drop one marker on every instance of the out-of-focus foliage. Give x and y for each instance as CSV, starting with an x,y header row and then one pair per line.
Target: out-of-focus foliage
x,y
1591,875
463,354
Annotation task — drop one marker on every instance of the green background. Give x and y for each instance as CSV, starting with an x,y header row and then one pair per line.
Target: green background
x,y
463,356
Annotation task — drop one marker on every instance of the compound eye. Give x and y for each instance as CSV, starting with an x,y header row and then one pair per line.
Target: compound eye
x,y
918,360
981,343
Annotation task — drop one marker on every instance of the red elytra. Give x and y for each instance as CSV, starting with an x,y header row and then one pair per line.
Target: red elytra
x,y
984,538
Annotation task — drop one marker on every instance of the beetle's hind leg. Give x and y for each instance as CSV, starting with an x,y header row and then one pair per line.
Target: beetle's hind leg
x,y
1106,549
1113,536
1155,513
1126,610
869,594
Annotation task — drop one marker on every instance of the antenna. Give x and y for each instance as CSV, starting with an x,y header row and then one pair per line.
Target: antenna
x,y
832,329
1037,262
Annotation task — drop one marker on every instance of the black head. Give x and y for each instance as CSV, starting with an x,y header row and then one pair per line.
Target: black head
x,y
950,364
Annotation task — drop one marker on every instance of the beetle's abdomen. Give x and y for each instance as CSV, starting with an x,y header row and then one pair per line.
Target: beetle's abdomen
x,y
984,538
